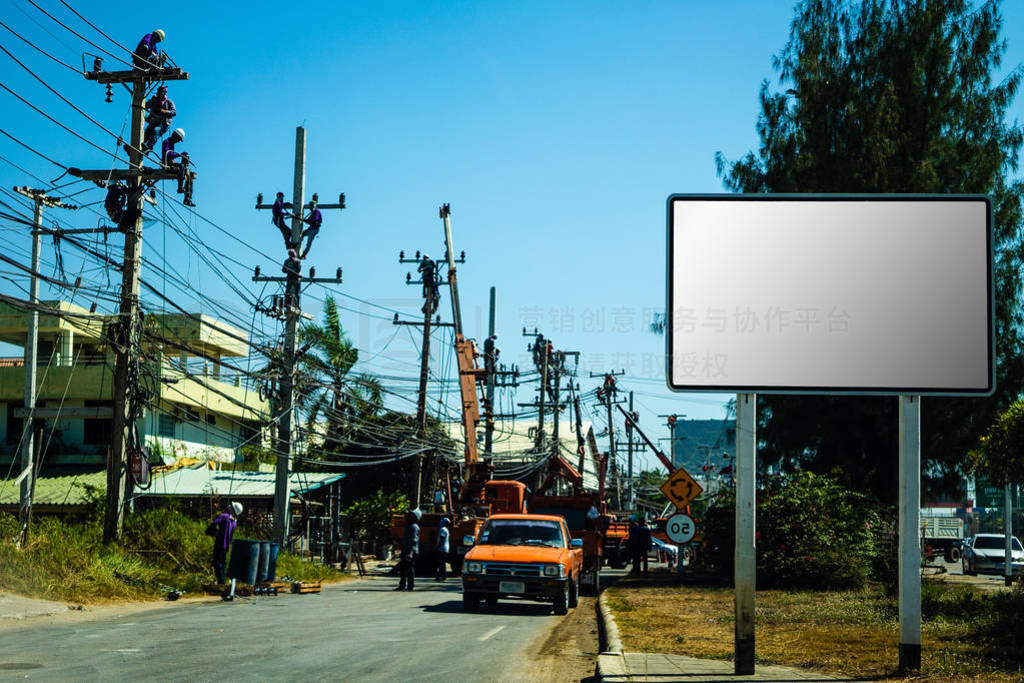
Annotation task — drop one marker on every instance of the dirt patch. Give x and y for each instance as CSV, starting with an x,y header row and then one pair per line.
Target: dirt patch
x,y
568,652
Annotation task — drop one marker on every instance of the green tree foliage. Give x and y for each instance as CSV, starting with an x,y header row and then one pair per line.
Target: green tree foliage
x,y
1000,454
371,516
893,96
813,533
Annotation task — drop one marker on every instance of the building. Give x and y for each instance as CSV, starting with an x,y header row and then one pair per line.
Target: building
x,y
196,408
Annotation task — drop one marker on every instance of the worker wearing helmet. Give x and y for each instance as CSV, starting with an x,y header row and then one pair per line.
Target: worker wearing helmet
x,y
410,549
180,162
314,220
222,528
279,213
428,277
147,55
160,113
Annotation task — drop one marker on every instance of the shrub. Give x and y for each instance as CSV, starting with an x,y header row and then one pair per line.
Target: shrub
x,y
371,517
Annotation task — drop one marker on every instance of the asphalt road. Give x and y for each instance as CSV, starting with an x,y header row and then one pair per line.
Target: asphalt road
x,y
350,632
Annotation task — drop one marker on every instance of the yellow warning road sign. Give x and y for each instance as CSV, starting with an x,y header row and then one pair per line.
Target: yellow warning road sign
x,y
681,488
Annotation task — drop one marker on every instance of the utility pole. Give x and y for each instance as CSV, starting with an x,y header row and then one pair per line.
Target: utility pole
x,y
127,332
293,288
430,280
607,394
490,363
28,467
551,364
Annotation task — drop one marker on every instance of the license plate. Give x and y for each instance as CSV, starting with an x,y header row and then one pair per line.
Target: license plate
x,y
512,587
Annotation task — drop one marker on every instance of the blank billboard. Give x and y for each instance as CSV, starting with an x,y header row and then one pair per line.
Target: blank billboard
x,y
873,294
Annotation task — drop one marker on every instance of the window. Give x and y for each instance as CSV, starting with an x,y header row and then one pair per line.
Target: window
x,y
211,419
165,426
98,432
522,532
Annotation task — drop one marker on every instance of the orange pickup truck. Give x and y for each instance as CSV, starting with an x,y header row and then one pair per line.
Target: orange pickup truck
x,y
524,556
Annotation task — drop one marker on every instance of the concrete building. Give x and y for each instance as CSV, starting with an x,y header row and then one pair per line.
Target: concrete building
x,y
196,409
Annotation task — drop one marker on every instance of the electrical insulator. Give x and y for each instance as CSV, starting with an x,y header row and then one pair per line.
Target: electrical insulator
x,y
110,94
341,200
257,274
401,255
312,272
259,199
97,65
337,274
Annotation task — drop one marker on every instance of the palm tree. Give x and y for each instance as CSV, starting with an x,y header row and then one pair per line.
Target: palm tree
x,y
325,387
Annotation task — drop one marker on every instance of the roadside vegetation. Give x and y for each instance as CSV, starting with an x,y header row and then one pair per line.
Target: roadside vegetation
x,y
164,548
968,635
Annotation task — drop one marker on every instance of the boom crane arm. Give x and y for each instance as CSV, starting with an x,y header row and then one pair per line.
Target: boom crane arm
x,y
657,451
477,473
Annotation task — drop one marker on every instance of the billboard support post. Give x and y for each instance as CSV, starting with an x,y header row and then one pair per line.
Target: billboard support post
x,y
910,533
746,567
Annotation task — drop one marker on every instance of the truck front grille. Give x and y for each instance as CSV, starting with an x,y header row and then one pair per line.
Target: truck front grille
x,y
511,569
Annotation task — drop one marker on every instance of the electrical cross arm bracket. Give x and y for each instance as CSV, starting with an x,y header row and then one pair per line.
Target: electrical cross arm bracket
x,y
163,74
144,174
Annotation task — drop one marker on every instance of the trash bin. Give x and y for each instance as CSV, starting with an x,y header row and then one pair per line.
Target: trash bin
x,y
245,556
272,561
267,566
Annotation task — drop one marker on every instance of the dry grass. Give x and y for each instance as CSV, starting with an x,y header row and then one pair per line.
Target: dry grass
x,y
852,634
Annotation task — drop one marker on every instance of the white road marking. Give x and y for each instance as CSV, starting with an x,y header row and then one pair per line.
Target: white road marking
x,y
490,633
125,651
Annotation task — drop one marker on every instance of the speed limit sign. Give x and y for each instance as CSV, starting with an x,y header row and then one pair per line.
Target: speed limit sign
x,y
680,528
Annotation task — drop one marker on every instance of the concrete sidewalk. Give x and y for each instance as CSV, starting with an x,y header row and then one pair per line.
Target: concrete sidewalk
x,y
642,666
19,607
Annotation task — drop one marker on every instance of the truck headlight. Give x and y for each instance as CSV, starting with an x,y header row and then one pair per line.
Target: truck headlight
x,y
474,567
553,570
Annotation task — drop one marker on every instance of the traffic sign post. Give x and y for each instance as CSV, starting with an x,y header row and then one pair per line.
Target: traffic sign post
x,y
681,489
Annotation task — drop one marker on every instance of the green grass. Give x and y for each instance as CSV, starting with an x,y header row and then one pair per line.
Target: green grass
x,y
66,560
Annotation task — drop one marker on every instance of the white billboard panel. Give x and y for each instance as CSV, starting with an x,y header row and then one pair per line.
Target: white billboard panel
x,y
874,294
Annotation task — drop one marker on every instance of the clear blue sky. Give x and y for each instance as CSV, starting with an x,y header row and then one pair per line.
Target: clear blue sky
x,y
555,130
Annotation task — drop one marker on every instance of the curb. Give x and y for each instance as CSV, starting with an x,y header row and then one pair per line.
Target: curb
x,y
613,644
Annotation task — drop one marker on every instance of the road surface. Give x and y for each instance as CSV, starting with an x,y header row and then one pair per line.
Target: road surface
x,y
351,632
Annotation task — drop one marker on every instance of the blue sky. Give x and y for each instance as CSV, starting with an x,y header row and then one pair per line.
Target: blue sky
x,y
555,130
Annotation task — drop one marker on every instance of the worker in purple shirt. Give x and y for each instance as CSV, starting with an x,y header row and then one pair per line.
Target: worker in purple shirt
x,y
179,161
160,112
280,213
147,55
222,528
314,220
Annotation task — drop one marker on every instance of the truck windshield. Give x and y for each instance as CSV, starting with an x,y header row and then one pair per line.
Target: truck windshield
x,y
995,543
522,532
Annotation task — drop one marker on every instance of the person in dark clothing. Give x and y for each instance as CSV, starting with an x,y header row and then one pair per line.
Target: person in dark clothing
x,y
314,220
292,264
278,215
179,161
645,541
147,55
427,270
115,201
410,549
160,113
441,548
633,546
222,528
491,353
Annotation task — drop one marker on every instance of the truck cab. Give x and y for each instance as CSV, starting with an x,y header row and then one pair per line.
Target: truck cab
x,y
523,556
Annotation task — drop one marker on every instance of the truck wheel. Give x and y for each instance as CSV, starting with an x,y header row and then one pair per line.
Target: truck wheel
x,y
471,602
561,602
954,555
492,602
574,593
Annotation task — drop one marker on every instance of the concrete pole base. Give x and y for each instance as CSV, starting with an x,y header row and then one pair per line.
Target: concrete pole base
x,y
910,657
745,656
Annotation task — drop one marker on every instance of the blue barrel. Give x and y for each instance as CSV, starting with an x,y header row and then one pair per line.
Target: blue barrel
x,y
261,568
245,556
272,561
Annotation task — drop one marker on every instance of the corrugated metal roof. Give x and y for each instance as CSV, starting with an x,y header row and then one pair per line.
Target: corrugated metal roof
x,y
206,482
68,490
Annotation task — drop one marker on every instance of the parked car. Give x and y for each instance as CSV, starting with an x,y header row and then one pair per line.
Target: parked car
x,y
986,554
662,549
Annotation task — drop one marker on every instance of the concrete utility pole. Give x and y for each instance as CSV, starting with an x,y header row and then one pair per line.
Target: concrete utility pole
x,y
631,489
28,467
608,391
293,288
127,331
430,281
490,364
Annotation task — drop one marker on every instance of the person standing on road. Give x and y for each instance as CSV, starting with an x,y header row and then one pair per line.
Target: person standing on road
x,y
222,528
443,534
410,549
645,541
633,545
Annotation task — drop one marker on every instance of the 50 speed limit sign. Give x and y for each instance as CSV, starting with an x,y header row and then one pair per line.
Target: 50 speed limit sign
x,y
680,528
